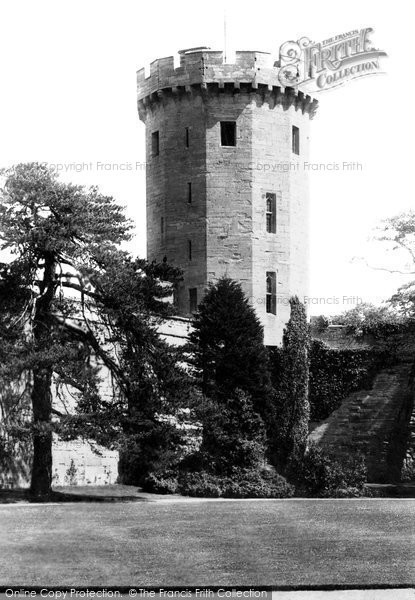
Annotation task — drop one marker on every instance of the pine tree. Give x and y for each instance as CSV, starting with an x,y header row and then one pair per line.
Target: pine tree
x,y
58,238
227,344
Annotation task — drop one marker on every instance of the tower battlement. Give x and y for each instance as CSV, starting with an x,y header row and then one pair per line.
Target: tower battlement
x,y
203,69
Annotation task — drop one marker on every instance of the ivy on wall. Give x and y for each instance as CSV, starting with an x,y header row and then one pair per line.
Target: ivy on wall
x,y
334,374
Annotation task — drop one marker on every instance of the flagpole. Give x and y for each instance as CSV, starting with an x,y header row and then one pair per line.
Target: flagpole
x,y
224,36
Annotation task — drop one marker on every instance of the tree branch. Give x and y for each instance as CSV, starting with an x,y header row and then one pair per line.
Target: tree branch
x,y
88,337
361,259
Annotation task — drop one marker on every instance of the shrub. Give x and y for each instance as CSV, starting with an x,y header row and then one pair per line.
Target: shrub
x,y
233,435
366,319
243,483
323,475
161,483
321,323
201,484
257,484
155,448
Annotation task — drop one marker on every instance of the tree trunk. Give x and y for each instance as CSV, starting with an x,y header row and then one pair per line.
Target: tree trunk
x,y
41,481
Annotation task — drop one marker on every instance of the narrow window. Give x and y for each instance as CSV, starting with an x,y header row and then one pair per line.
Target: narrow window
x,y
193,300
155,143
189,249
296,140
228,133
271,295
189,193
271,212
162,225
187,137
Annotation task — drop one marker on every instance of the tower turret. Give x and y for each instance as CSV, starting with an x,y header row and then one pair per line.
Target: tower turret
x,y
226,189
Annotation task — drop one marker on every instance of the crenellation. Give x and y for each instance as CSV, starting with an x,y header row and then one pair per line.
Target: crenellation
x,y
204,67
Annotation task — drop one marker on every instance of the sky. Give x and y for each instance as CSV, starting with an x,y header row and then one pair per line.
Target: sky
x,y
68,97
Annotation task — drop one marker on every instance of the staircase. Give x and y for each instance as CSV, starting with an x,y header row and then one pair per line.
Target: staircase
x,y
374,423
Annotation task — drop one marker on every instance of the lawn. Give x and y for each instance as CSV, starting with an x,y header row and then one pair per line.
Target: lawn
x,y
252,542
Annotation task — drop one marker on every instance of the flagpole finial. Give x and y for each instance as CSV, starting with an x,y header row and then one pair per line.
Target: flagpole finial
x,y
225,53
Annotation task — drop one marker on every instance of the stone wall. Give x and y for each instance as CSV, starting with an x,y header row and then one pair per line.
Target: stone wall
x,y
373,423
80,463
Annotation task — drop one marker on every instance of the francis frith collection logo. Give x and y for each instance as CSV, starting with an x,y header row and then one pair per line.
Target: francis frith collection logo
x,y
314,67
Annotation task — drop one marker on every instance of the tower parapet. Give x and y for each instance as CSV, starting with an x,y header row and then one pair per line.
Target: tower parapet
x,y
202,69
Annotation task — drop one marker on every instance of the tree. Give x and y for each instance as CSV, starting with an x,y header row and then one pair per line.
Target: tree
x,y
233,435
368,319
227,344
397,235
60,237
292,411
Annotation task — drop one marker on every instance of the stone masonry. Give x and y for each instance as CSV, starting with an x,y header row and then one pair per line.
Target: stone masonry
x,y
371,422
206,200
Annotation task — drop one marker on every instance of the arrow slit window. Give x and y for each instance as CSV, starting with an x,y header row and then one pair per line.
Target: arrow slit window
x,y
295,140
271,212
271,295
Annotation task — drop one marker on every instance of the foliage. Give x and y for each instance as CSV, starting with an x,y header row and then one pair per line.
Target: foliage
x,y
71,476
366,319
321,323
161,482
231,459
233,435
321,474
334,374
63,238
397,233
154,447
291,375
200,484
241,483
227,345
403,300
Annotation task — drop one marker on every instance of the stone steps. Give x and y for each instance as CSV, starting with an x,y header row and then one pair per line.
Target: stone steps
x,y
368,421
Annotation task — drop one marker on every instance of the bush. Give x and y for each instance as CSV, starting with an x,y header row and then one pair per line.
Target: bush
x,y
320,474
321,323
200,484
154,449
233,436
243,483
161,483
379,322
257,484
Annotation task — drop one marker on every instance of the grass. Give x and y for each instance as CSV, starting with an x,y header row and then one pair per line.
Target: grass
x,y
251,542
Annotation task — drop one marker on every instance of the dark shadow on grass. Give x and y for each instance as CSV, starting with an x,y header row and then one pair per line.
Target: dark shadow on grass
x,y
18,496
70,497
13,496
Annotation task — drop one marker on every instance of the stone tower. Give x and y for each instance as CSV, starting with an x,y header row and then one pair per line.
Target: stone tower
x,y
226,189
